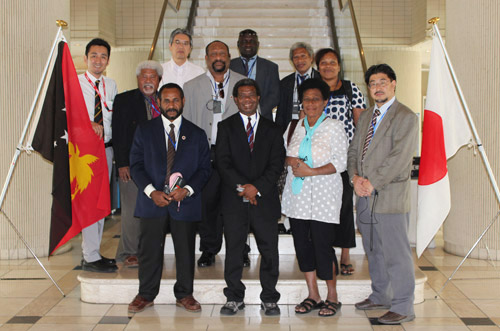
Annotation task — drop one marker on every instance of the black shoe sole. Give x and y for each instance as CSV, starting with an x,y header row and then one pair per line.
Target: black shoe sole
x,y
102,270
231,312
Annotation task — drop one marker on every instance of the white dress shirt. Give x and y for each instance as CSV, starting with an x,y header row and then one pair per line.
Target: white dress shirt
x,y
216,96
107,93
173,73
383,110
166,125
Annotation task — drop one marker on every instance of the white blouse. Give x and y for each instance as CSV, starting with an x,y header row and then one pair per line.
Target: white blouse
x,y
321,196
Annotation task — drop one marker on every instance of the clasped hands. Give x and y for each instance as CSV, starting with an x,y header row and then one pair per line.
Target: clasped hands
x,y
162,199
362,186
250,193
299,167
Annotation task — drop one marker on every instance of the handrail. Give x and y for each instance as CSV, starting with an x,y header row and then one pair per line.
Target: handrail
x,y
356,32
192,14
333,32
159,24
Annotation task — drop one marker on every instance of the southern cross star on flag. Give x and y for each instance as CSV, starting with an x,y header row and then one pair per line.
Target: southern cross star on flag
x,y
445,130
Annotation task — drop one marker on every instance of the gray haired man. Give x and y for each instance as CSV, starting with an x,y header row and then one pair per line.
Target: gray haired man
x,y
179,70
131,108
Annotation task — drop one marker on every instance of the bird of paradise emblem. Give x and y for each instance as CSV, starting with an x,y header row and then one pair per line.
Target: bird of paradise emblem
x,y
79,169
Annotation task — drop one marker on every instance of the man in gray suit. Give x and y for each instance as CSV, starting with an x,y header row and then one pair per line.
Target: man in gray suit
x,y
263,71
379,161
209,101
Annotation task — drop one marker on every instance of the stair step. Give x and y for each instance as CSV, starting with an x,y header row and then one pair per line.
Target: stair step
x,y
299,33
269,13
259,3
122,286
265,42
259,21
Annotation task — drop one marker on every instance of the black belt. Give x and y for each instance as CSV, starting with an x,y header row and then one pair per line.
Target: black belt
x,y
108,144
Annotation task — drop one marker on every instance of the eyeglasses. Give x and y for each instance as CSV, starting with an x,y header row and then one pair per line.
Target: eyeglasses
x,y
220,86
383,83
183,43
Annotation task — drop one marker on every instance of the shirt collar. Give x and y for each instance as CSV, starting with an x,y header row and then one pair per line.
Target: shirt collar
x,y
209,74
385,106
253,118
251,60
308,72
177,123
92,78
176,66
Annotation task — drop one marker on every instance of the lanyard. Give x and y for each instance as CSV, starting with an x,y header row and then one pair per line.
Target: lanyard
x,y
250,68
97,90
153,105
216,89
252,127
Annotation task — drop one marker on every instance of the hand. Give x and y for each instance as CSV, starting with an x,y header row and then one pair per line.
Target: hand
x,y
301,169
249,192
179,194
98,129
362,186
161,199
124,174
253,201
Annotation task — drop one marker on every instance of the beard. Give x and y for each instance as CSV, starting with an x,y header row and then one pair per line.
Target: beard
x,y
165,112
222,69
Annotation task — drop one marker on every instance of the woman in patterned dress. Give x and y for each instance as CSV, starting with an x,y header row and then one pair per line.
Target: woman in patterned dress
x,y
312,197
345,104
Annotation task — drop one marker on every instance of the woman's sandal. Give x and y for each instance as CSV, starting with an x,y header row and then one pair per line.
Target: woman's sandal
x,y
329,308
308,305
346,269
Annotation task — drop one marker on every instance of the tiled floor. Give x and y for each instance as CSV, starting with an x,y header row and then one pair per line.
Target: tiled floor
x,y
29,301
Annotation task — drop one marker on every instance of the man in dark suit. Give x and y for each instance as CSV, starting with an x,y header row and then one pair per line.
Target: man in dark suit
x,y
249,157
209,101
164,146
379,163
132,108
263,71
302,57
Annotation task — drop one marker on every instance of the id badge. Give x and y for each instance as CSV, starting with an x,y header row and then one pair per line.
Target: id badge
x,y
217,107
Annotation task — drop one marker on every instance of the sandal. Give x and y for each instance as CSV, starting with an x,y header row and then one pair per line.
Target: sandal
x,y
346,269
329,308
308,305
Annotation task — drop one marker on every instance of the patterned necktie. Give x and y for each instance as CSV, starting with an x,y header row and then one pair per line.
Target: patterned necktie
x,y
170,151
98,106
154,107
302,78
245,66
370,133
250,133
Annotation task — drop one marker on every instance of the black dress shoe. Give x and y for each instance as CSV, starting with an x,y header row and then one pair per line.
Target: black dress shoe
x,y
98,266
206,259
246,260
108,261
281,228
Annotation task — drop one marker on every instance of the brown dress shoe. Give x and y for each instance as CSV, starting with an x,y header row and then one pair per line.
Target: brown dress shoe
x,y
131,262
367,304
189,303
394,318
139,304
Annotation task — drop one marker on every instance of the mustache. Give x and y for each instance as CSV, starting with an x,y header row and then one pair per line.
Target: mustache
x,y
219,69
148,85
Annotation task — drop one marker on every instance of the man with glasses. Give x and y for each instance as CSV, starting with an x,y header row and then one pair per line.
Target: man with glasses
x,y
179,70
379,162
263,71
209,101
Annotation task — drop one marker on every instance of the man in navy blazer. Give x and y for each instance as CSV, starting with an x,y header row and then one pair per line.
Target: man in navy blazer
x,y
168,138
263,71
250,155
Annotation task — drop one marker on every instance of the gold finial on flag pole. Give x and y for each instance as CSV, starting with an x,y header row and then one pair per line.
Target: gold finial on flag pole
x,y
433,20
61,23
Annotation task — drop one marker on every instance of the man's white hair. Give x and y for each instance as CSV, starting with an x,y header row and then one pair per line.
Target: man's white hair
x,y
150,64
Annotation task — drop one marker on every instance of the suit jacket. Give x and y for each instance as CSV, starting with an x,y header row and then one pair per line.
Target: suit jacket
x,y
129,111
268,79
262,167
388,159
285,105
148,165
198,92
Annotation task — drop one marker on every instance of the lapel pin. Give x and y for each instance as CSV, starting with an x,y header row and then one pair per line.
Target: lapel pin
x,y
183,137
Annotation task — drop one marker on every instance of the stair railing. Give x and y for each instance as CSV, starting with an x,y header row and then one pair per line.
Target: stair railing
x,y
160,23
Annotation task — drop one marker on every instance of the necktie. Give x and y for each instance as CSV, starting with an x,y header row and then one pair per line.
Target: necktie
x,y
302,78
154,108
250,133
98,106
369,135
170,151
245,66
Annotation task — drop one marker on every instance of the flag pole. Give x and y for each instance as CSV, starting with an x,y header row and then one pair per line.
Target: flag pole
x,y
479,144
19,148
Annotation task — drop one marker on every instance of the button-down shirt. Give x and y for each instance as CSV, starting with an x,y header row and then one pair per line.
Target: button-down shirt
x,y
173,73
251,66
216,96
89,97
383,111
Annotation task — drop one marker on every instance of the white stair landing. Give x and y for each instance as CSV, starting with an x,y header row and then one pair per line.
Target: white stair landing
x,y
121,287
